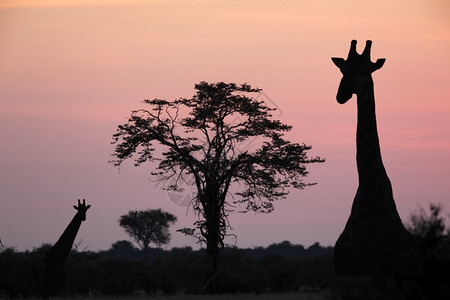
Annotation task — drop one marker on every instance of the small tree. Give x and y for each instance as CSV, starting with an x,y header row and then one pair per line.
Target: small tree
x,y
220,136
434,239
430,228
148,226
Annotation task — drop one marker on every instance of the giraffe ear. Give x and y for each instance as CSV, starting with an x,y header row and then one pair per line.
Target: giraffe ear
x,y
87,207
75,207
338,61
379,63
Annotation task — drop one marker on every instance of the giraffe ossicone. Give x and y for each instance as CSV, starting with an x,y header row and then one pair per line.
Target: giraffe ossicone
x,y
374,240
82,208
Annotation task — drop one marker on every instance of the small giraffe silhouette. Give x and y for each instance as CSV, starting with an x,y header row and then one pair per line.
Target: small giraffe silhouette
x,y
56,257
374,240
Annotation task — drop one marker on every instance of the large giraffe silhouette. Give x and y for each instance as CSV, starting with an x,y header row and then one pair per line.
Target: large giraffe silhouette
x,y
56,257
374,240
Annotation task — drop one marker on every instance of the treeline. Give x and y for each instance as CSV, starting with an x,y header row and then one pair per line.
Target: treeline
x,y
125,250
281,267
121,270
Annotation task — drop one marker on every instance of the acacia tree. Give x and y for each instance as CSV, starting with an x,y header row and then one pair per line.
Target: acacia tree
x,y
148,226
220,136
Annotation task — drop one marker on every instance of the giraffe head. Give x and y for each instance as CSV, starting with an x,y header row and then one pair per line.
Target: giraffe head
x,y
356,70
82,208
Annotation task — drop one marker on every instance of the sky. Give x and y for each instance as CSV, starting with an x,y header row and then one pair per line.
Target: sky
x,y
71,71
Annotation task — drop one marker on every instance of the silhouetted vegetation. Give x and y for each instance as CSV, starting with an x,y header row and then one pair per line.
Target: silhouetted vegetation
x,y
435,245
282,267
223,135
279,268
148,226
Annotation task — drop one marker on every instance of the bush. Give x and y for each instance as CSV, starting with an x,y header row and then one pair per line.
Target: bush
x,y
121,271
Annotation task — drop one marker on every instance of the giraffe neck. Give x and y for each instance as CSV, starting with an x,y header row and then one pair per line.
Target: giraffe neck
x,y
368,154
65,242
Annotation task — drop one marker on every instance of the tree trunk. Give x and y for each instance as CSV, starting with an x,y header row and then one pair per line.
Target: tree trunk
x,y
145,253
212,252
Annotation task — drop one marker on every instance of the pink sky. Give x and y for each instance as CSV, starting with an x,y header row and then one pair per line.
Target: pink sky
x,y
71,71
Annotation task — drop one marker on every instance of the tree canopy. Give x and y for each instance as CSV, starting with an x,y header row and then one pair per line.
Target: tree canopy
x,y
429,227
220,137
148,226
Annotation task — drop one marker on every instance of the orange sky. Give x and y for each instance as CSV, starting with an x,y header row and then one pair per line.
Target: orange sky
x,y
71,71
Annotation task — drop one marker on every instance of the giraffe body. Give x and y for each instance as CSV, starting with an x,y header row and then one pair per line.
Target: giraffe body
x,y
56,257
374,240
